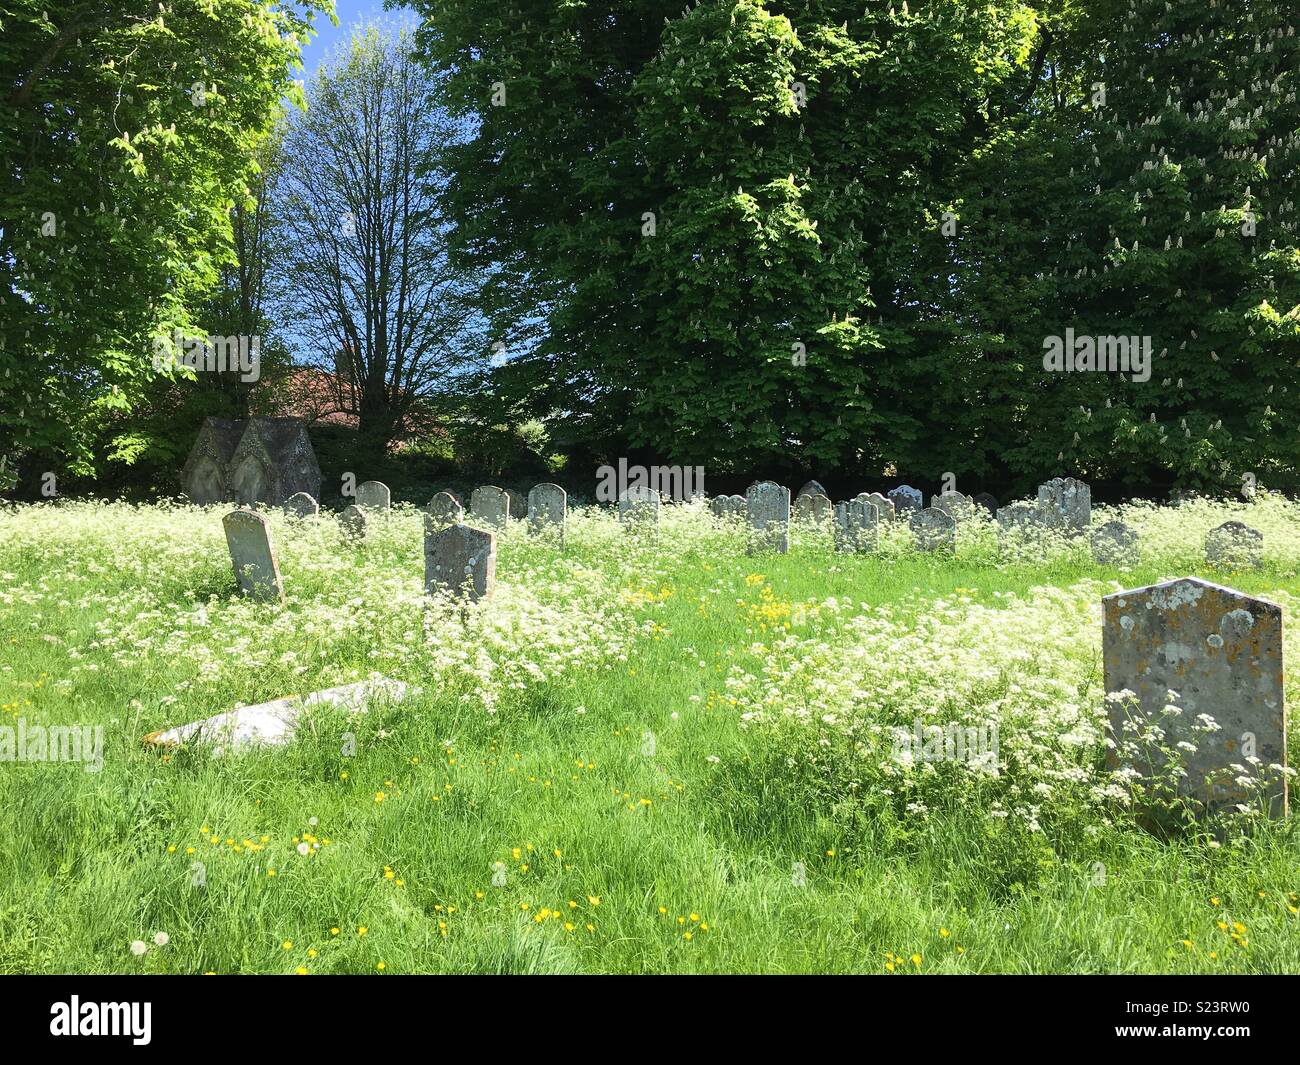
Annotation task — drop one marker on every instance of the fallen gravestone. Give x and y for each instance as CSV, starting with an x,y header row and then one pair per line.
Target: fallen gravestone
x,y
444,509
547,509
933,530
856,524
353,523
1234,544
374,495
768,506
638,507
459,560
1209,651
301,505
248,536
1065,504
906,498
1114,544
490,505
273,724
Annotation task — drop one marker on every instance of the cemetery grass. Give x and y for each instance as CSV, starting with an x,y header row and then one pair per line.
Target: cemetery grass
x,y
615,749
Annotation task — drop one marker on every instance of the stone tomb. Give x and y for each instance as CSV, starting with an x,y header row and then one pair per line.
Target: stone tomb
x,y
1221,651
957,506
460,560
490,505
260,460
768,506
248,536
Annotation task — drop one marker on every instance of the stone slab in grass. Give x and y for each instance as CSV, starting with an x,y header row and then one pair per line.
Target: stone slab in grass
x,y
1221,652
273,724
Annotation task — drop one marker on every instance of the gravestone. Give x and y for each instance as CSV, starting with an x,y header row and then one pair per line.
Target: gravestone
x,y
1020,516
638,507
739,508
1221,652
856,524
933,530
490,505
459,559
248,536
1065,504
957,506
768,506
518,504
374,495
444,509
812,488
906,498
988,502
353,523
1234,544
301,505
258,460
719,506
547,509
884,505
1114,544
812,508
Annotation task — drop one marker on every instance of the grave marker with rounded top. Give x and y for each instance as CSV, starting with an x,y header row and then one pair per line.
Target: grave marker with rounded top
x,y
353,523
906,498
1114,544
1234,544
768,505
957,506
374,495
884,505
444,509
812,488
1221,652
988,502
812,508
548,506
933,530
518,504
248,536
856,524
490,505
461,560
638,507
301,505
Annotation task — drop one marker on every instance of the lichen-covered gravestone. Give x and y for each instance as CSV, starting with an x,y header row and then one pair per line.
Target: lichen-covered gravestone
x,y
957,506
490,505
1234,544
638,507
738,507
1065,504
884,504
374,495
301,505
1020,516
547,508
1114,544
444,509
461,560
906,498
768,505
353,523
1221,652
248,536
933,530
856,524
812,488
812,508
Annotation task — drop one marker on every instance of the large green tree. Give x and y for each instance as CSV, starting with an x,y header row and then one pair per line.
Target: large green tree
x,y
129,132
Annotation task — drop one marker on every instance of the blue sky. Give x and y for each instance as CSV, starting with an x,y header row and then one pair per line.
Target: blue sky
x,y
328,36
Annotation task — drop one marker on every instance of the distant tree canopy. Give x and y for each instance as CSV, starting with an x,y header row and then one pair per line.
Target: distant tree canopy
x,y
129,134
841,236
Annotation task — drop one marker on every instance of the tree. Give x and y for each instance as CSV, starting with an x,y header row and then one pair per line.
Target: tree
x,y
128,130
367,279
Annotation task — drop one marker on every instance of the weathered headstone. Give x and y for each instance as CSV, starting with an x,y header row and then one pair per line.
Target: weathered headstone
x,y
444,509
768,506
1065,504
957,506
301,505
547,509
1114,544
719,507
353,523
1234,544
812,508
459,559
738,506
933,530
374,495
856,525
988,502
1019,515
1221,652
906,498
638,507
490,505
248,536
259,460
812,488
518,504
884,504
